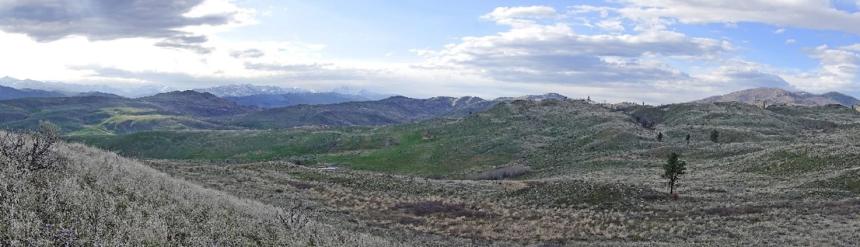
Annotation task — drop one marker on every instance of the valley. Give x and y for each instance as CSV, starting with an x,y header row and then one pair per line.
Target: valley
x,y
519,171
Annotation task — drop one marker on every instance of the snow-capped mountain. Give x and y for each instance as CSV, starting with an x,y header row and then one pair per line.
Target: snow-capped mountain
x,y
241,90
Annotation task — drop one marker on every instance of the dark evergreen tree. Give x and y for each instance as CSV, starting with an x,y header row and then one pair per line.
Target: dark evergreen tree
x,y
715,136
673,168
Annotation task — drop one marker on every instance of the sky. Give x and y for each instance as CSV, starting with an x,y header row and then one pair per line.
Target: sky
x,y
654,51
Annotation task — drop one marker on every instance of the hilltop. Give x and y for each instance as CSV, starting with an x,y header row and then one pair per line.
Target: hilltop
x,y
195,104
776,96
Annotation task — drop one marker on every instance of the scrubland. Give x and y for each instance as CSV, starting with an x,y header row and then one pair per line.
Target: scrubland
x,y
552,173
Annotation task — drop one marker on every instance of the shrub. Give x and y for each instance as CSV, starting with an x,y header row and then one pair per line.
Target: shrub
x,y
503,173
31,151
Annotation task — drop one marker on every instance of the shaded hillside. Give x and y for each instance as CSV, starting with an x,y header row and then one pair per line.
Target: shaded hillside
x,y
392,110
7,93
195,104
776,96
84,196
291,99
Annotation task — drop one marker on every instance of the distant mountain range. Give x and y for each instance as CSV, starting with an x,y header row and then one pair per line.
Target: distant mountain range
x,y
70,89
393,110
296,98
274,97
103,113
12,93
776,96
242,90
234,90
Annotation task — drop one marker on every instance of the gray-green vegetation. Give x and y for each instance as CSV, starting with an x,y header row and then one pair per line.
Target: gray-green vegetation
x,y
524,172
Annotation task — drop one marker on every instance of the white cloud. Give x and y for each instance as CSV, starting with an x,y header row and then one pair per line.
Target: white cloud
x,y
838,70
554,53
813,14
613,25
520,15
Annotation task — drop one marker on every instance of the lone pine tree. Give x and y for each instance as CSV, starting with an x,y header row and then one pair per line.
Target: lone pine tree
x,y
673,168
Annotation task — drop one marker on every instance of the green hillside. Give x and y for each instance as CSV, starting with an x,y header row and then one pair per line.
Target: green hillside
x,y
102,115
546,136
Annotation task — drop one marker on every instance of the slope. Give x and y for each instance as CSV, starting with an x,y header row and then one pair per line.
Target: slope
x,y
91,197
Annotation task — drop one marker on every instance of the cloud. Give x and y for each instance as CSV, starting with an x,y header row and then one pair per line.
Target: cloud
x,y
50,20
520,15
614,25
554,53
736,75
838,69
247,53
814,14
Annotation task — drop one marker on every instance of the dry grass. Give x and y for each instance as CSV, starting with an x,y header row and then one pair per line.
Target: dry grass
x,y
94,197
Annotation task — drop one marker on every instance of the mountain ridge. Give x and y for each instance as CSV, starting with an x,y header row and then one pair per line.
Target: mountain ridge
x,y
778,96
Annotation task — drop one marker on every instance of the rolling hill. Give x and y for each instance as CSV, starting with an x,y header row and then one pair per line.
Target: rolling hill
x,y
772,96
110,114
571,173
392,110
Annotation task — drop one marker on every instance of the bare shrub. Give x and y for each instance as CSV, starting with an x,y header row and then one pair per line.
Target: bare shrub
x,y
503,173
33,150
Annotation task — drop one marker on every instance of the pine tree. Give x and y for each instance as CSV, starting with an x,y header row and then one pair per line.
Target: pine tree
x,y
673,168
715,136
